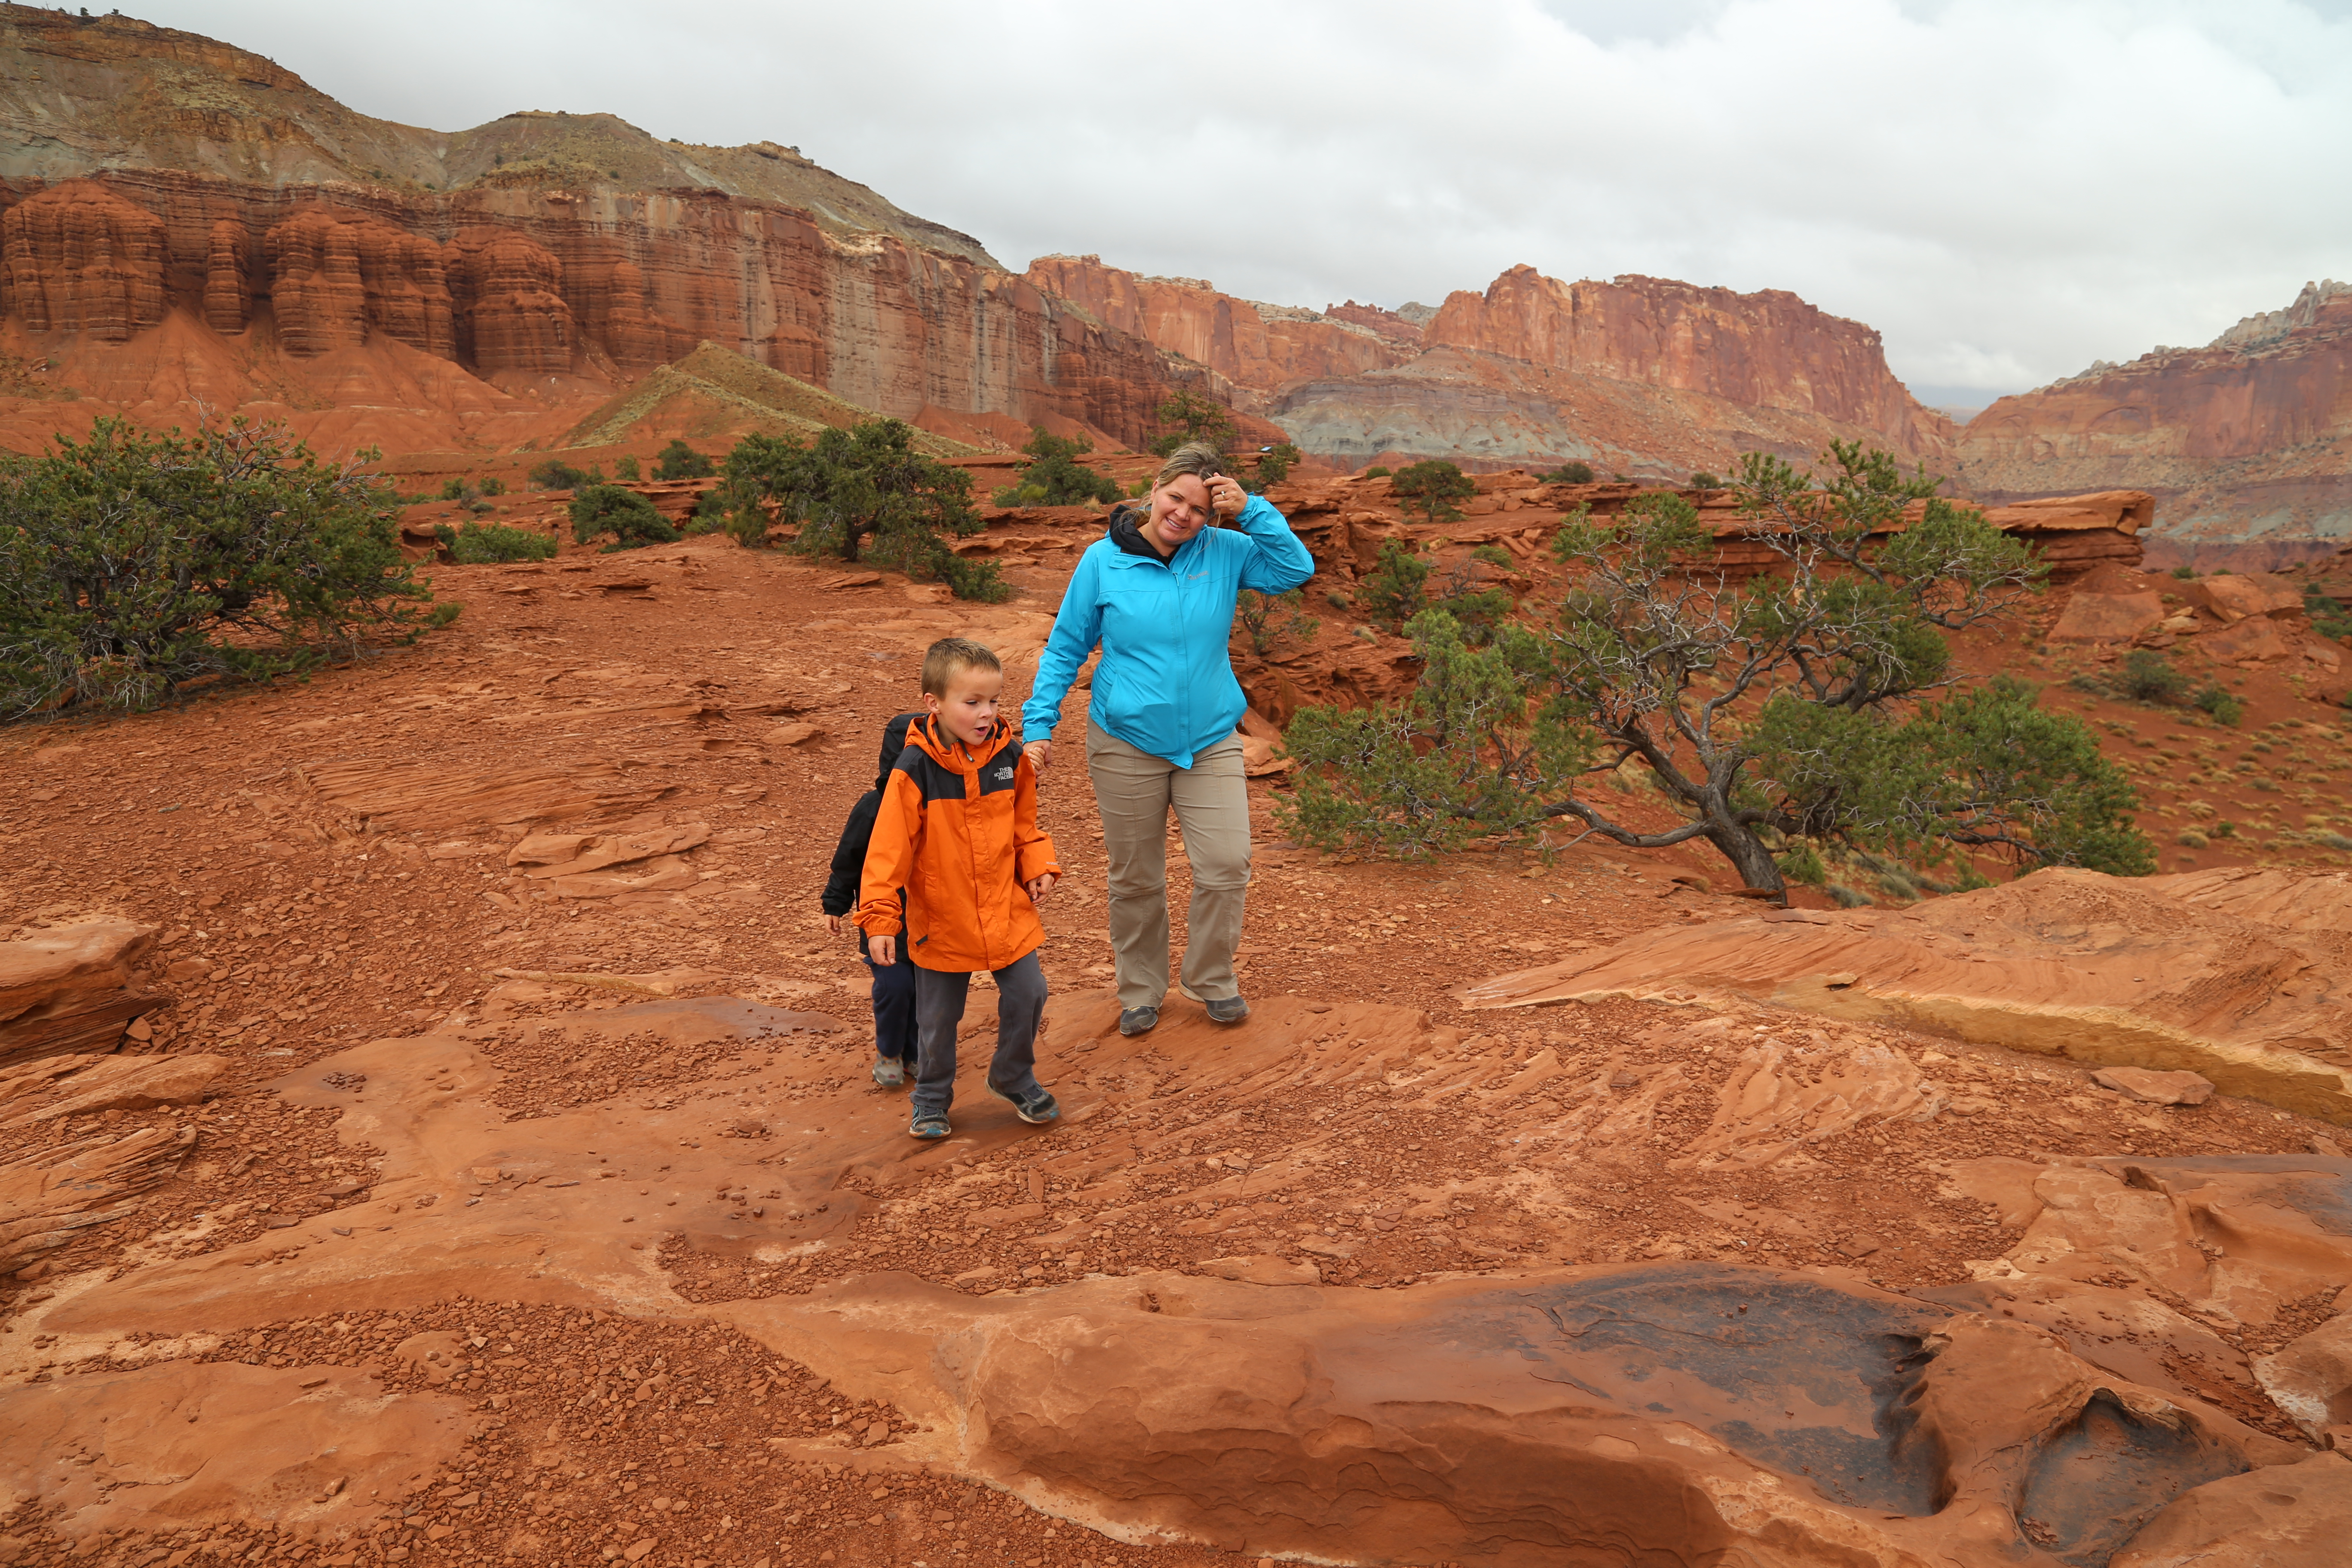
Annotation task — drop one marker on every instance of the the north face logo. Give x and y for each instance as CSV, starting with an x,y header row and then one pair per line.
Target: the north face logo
x,y
1005,773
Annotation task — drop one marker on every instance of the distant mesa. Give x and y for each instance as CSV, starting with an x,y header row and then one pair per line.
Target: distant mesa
x,y
2246,443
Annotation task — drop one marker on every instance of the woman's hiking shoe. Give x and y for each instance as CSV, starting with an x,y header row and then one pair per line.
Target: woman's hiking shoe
x,y
889,1072
1221,1009
1034,1109
1139,1020
929,1125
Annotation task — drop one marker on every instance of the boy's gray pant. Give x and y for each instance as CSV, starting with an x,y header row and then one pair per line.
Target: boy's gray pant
x,y
939,1008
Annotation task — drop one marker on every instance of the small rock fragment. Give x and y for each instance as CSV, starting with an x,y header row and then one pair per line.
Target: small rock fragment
x,y
2156,1088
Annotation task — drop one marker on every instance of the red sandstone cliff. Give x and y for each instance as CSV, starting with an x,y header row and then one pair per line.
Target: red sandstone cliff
x,y
83,94
1639,375
2246,439
598,286
1767,350
1259,348
182,220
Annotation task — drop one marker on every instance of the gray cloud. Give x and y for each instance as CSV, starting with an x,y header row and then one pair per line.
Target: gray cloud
x,y
2008,189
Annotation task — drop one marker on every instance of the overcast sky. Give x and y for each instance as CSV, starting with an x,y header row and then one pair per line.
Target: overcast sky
x,y
2008,189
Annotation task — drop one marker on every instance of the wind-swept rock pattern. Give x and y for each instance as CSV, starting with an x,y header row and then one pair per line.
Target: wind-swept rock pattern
x,y
2239,975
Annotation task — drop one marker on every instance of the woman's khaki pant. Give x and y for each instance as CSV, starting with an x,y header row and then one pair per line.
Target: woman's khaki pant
x,y
1133,791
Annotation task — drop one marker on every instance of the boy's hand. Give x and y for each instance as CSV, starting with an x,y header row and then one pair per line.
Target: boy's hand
x,y
882,950
1041,887
833,924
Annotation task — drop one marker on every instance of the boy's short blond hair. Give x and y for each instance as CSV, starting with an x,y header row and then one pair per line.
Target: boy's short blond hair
x,y
949,657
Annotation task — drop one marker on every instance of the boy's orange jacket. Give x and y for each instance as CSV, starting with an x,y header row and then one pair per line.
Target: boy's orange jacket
x,y
959,834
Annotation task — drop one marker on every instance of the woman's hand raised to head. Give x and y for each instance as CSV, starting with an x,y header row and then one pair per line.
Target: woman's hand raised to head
x,y
1225,493
1039,753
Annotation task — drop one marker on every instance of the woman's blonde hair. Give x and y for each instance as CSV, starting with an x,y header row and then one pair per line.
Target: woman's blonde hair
x,y
1195,458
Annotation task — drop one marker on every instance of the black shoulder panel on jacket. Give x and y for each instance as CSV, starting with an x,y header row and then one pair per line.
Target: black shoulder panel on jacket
x,y
933,781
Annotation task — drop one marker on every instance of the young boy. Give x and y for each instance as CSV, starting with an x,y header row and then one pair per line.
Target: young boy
x,y
957,832
894,987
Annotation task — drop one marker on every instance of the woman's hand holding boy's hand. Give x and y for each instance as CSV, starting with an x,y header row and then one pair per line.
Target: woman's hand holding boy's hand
x,y
1039,753
882,950
1041,887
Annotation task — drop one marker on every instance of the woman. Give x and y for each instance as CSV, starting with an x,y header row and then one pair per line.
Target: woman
x,y
1156,594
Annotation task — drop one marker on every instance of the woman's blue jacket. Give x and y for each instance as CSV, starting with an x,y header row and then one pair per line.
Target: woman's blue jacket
x,y
1165,685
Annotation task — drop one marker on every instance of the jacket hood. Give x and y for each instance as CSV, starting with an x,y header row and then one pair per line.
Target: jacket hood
x,y
1127,521
894,740
926,735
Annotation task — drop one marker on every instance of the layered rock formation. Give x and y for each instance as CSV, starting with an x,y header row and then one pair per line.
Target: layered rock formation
x,y
2246,442
1767,350
1640,375
82,260
600,286
2241,975
82,94
148,174
1259,348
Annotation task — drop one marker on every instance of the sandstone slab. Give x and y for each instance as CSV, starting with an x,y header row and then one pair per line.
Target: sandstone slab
x,y
2288,1516
2156,1088
185,1444
2173,973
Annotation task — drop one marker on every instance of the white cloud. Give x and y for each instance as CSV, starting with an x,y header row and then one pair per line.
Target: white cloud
x,y
2008,189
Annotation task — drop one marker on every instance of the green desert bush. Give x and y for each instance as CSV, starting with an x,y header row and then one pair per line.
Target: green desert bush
x,y
1267,618
862,494
2149,676
1054,476
679,461
1570,473
1856,737
1190,416
632,520
555,474
130,563
1432,487
2224,708
495,544
1274,465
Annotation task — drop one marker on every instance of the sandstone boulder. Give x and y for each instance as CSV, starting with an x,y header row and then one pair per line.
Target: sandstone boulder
x,y
2106,617
2253,638
2235,597
71,989
2311,1379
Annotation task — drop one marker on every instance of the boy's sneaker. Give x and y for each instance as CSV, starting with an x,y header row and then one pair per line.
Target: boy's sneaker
x,y
1221,1009
889,1072
1034,1109
1139,1020
929,1126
